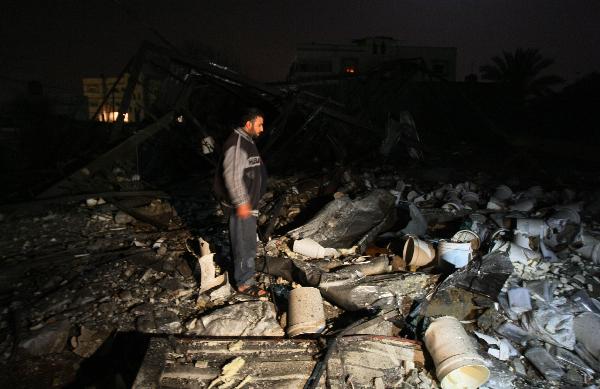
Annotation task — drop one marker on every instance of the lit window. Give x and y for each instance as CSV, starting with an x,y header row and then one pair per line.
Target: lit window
x,y
349,65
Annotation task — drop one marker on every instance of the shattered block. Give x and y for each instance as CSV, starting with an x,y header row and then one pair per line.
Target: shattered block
x,y
250,318
48,340
364,358
89,341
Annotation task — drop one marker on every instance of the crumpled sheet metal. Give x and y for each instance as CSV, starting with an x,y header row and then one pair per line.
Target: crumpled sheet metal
x,y
308,273
455,295
354,293
551,325
486,276
344,221
250,318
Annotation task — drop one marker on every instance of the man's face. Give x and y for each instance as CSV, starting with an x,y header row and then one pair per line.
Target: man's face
x,y
254,127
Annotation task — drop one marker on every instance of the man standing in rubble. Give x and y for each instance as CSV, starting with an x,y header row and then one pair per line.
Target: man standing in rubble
x,y
245,179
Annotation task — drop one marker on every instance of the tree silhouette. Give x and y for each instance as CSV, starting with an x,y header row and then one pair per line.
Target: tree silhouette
x,y
521,73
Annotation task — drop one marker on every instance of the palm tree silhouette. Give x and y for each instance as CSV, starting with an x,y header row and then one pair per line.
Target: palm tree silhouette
x,y
520,72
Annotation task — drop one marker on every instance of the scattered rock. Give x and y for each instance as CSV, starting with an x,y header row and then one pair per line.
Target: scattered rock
x,y
89,341
51,339
123,218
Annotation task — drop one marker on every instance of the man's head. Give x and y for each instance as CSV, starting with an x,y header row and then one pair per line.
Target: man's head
x,y
252,122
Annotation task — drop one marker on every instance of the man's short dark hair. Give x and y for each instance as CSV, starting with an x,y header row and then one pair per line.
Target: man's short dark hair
x,y
249,115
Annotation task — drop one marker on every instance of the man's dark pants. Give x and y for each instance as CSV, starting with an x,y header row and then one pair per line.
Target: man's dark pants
x,y
242,233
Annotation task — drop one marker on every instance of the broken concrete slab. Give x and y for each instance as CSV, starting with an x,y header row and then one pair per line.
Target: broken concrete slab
x,y
88,341
250,318
360,359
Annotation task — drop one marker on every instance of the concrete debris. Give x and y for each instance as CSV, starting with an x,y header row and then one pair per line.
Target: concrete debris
x,y
521,277
50,339
123,218
359,360
88,341
251,318
226,379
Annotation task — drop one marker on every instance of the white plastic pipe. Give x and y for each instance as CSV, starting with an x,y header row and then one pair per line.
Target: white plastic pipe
x,y
458,365
305,312
417,252
309,247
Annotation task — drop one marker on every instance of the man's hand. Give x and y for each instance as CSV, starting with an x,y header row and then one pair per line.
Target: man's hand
x,y
243,211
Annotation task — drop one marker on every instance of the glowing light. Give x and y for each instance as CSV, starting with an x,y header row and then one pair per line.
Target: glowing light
x,y
112,117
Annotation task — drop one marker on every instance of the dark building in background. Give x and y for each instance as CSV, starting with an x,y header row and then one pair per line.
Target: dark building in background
x,y
316,61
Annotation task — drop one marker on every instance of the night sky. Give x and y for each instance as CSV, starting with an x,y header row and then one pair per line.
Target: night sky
x,y
59,42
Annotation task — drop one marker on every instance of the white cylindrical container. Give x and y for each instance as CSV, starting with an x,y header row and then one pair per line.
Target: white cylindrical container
x,y
457,363
457,254
305,312
417,252
467,236
309,247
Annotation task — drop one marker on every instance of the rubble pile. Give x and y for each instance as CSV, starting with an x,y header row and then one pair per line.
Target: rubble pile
x,y
368,271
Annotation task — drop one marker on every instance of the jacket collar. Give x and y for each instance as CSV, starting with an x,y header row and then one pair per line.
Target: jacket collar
x,y
243,134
